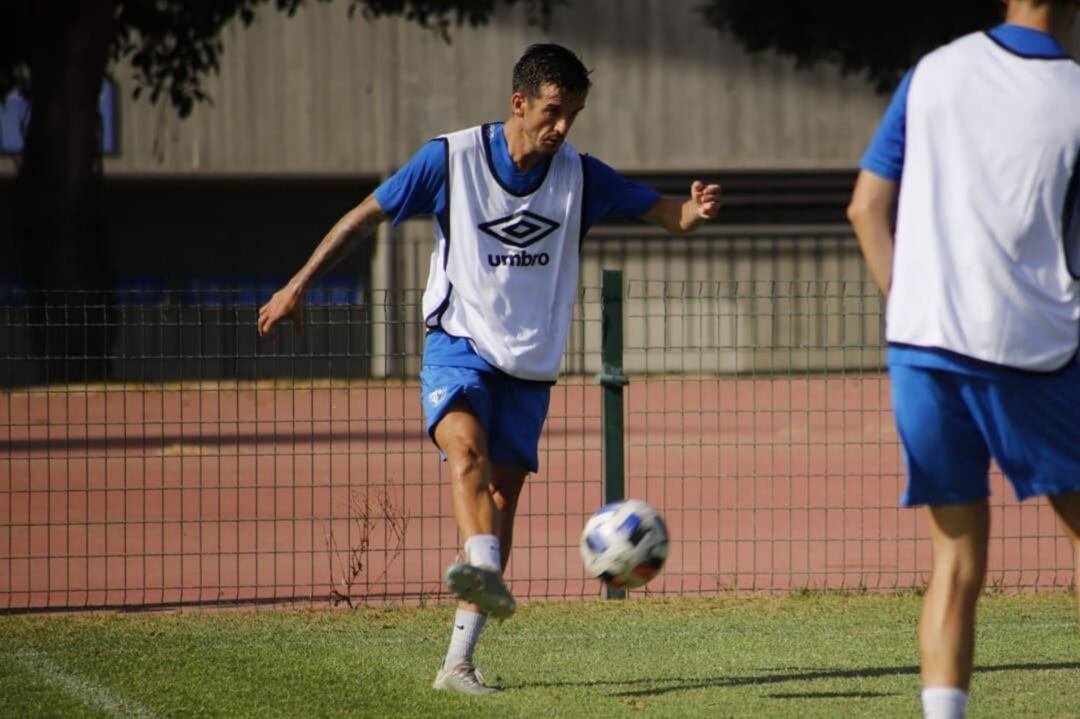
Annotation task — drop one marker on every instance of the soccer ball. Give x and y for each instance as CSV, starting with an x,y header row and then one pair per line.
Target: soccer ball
x,y
625,544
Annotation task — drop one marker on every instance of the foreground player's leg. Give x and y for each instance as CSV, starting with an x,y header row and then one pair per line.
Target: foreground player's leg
x,y
459,672
469,621
507,483
947,626
1067,507
477,576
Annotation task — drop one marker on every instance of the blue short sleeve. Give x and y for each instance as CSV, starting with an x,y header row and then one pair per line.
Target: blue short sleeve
x,y
418,188
609,193
885,155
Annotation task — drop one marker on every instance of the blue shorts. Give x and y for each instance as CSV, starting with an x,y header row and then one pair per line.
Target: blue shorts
x,y
951,424
511,411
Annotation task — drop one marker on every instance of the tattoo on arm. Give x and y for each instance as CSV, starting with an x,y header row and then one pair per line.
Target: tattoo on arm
x,y
338,245
352,229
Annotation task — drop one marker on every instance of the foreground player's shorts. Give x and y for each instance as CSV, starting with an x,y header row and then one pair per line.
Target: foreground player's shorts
x,y
951,424
512,411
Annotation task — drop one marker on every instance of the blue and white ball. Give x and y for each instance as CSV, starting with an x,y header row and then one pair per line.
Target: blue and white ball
x,y
624,544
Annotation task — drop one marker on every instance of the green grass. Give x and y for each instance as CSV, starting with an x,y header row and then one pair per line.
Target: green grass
x,y
824,655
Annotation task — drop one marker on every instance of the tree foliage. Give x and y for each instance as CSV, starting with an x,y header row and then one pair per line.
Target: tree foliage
x,y
881,39
172,45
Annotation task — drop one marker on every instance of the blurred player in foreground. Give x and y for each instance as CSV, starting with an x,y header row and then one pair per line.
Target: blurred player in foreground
x,y
978,156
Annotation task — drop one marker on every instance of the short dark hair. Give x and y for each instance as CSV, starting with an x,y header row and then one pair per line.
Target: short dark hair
x,y
552,64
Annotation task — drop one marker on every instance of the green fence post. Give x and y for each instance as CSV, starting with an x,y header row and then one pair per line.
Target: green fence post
x,y
612,380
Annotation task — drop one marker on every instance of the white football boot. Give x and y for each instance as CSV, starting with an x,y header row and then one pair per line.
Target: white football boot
x,y
464,678
482,587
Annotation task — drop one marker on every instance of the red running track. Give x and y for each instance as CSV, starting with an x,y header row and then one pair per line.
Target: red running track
x,y
169,495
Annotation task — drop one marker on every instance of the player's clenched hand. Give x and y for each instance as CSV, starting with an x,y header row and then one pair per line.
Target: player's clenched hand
x,y
706,198
286,303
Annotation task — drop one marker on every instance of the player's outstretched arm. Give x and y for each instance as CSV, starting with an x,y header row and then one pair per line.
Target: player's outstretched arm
x,y
342,238
873,205
678,216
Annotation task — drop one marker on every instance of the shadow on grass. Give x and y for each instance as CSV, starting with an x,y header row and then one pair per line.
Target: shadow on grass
x,y
667,686
832,695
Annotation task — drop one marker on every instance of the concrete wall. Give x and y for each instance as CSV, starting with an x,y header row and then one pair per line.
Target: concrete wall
x,y
323,93
320,92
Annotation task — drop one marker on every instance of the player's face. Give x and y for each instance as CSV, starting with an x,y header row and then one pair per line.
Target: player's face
x,y
547,118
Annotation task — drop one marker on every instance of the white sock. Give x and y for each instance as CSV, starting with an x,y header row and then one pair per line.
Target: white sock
x,y
467,628
482,550
944,703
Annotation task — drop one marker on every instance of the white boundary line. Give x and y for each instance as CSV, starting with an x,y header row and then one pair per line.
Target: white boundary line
x,y
89,693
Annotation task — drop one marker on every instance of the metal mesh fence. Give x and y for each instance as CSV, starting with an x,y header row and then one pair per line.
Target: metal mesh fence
x,y
190,462
214,467
759,418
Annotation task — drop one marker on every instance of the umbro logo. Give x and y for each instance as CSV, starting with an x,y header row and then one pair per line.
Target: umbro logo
x,y
436,397
520,229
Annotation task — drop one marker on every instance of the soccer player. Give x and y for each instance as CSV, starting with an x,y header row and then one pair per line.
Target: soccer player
x,y
978,156
512,202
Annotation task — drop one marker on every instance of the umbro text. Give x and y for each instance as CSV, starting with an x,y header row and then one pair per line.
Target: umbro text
x,y
523,259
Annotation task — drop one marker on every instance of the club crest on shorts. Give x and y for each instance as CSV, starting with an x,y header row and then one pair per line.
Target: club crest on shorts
x,y
435,397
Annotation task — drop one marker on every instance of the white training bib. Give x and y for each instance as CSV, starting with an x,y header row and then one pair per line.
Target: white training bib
x,y
505,271
982,265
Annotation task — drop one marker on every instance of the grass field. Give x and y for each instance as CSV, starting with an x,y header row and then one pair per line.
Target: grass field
x,y
814,655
